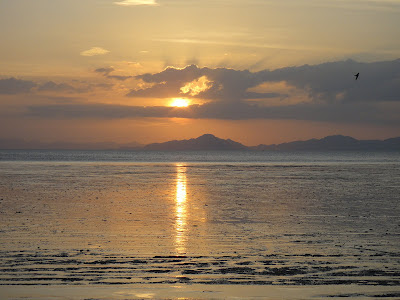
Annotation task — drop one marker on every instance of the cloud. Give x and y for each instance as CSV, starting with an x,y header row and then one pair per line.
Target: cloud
x,y
13,86
51,86
327,82
333,94
328,112
136,2
334,81
254,95
119,77
220,84
94,51
106,72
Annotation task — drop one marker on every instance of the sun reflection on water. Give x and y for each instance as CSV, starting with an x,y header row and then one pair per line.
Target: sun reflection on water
x,y
180,209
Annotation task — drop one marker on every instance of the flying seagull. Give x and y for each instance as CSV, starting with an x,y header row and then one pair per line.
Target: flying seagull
x,y
358,74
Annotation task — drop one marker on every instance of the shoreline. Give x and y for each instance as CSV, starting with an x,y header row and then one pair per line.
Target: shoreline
x,y
196,291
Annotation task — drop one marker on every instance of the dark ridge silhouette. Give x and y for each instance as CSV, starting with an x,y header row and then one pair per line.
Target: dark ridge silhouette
x,y
329,143
204,142
211,142
335,143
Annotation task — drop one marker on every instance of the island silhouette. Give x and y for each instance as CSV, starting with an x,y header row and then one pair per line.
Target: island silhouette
x,y
329,143
209,142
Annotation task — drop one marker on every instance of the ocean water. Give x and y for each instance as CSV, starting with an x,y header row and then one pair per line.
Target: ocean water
x,y
262,218
198,156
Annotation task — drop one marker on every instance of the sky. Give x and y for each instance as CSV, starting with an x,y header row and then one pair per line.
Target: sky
x,y
255,71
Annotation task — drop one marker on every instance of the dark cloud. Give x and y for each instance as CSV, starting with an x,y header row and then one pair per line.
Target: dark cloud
x,y
378,81
13,86
328,82
106,72
119,77
225,84
334,95
321,112
59,87
371,113
253,95
174,75
160,90
168,82
106,86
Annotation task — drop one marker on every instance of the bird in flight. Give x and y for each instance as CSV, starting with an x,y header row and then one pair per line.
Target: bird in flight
x,y
358,74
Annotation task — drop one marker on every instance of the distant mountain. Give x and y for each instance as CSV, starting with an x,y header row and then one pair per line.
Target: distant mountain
x,y
334,143
329,143
211,142
204,142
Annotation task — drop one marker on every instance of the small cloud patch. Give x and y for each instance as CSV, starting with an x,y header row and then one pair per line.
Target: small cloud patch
x,y
136,2
94,51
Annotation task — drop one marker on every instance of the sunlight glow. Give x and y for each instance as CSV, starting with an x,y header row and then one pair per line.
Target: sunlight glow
x,y
179,102
197,86
180,210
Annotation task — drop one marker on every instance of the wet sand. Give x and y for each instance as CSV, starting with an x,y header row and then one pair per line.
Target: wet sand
x,y
194,291
118,230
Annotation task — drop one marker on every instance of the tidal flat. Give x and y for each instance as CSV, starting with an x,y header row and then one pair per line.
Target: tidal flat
x,y
291,230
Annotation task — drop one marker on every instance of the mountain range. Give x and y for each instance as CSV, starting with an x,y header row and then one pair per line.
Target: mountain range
x,y
211,142
329,143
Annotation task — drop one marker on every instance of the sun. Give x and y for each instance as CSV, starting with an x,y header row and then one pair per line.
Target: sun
x,y
179,102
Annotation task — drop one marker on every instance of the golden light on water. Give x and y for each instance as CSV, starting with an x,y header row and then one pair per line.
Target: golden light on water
x,y
180,210
179,102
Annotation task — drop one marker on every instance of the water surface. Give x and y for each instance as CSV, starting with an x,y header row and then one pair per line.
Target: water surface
x,y
203,218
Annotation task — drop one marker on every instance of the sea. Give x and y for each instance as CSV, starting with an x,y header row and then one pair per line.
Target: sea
x,y
106,218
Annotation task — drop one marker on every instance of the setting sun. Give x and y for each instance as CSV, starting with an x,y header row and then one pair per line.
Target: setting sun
x,y
179,102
